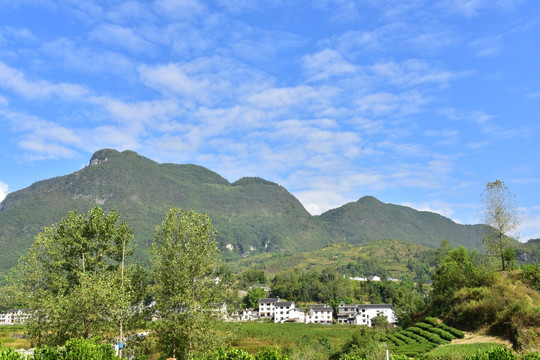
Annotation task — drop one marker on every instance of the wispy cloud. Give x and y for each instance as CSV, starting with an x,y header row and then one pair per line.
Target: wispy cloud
x,y
15,80
3,191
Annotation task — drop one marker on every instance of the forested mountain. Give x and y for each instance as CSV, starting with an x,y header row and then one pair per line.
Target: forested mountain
x,y
251,215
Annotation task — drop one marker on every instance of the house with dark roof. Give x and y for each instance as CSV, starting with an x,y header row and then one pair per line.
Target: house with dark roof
x,y
363,314
267,307
319,314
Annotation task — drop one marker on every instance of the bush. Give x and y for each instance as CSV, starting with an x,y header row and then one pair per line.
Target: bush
x,y
414,336
496,353
443,334
431,321
424,326
7,353
456,332
405,338
78,349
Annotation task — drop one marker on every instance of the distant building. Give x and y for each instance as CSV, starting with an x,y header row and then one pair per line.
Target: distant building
x,y
266,307
363,314
319,314
284,310
14,317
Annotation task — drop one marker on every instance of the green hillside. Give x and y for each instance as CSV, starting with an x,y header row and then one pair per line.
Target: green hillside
x,y
252,215
369,219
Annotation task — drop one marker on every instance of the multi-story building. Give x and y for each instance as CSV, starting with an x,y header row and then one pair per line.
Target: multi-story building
x,y
363,314
319,314
266,307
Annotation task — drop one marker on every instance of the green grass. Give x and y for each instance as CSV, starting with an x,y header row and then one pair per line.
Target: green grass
x,y
13,336
255,336
458,351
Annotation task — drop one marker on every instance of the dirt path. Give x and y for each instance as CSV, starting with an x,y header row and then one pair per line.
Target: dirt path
x,y
471,338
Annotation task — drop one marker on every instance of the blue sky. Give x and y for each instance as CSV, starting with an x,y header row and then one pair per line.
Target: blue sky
x,y
418,102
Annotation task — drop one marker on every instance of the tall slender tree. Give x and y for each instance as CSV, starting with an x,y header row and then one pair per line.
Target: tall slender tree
x,y
70,277
501,218
186,265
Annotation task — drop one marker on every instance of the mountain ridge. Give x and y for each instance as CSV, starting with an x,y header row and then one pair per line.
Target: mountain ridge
x,y
251,215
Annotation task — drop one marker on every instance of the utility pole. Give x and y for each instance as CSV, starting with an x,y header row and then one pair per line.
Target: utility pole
x,y
120,340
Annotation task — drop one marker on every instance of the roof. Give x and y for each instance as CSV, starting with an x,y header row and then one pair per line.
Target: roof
x,y
269,300
372,306
284,303
320,307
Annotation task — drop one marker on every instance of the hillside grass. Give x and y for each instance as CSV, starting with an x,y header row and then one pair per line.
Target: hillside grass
x,y
458,351
392,258
13,336
255,336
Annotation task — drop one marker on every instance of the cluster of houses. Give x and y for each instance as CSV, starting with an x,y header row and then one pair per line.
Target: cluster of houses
x,y
14,317
286,311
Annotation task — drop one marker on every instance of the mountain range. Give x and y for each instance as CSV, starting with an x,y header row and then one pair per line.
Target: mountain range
x,y
251,215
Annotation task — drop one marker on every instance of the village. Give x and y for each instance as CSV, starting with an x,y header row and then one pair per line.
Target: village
x,y
286,311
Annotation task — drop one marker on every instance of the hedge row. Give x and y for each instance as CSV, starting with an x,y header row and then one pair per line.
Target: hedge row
x,y
413,350
434,338
432,321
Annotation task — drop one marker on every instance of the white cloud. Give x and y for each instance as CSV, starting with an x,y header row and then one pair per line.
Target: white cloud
x,y
439,207
410,73
530,224
384,103
3,191
122,37
325,64
180,9
16,80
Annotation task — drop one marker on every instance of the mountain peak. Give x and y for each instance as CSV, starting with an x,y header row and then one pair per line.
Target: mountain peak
x,y
102,156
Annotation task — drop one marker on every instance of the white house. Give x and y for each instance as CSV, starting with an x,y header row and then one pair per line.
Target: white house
x,y
267,307
14,316
249,314
285,310
319,314
363,314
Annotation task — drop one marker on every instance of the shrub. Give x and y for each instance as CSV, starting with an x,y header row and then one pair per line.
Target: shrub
x,y
431,321
413,350
414,336
7,353
405,338
424,326
395,340
443,334
496,353
224,354
456,332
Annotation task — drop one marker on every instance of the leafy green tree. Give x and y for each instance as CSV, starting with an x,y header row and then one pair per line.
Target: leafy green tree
x,y
501,218
253,276
71,277
186,265
253,296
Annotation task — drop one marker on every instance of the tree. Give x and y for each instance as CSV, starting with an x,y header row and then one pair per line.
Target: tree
x,y
254,295
186,265
501,219
70,277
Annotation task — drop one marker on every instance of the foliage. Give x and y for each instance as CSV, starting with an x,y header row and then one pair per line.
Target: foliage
x,y
70,278
239,354
7,353
78,349
360,345
187,288
496,353
501,219
252,276
253,296
457,351
530,275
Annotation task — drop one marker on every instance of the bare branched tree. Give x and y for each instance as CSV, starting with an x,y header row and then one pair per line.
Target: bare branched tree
x,y
501,218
